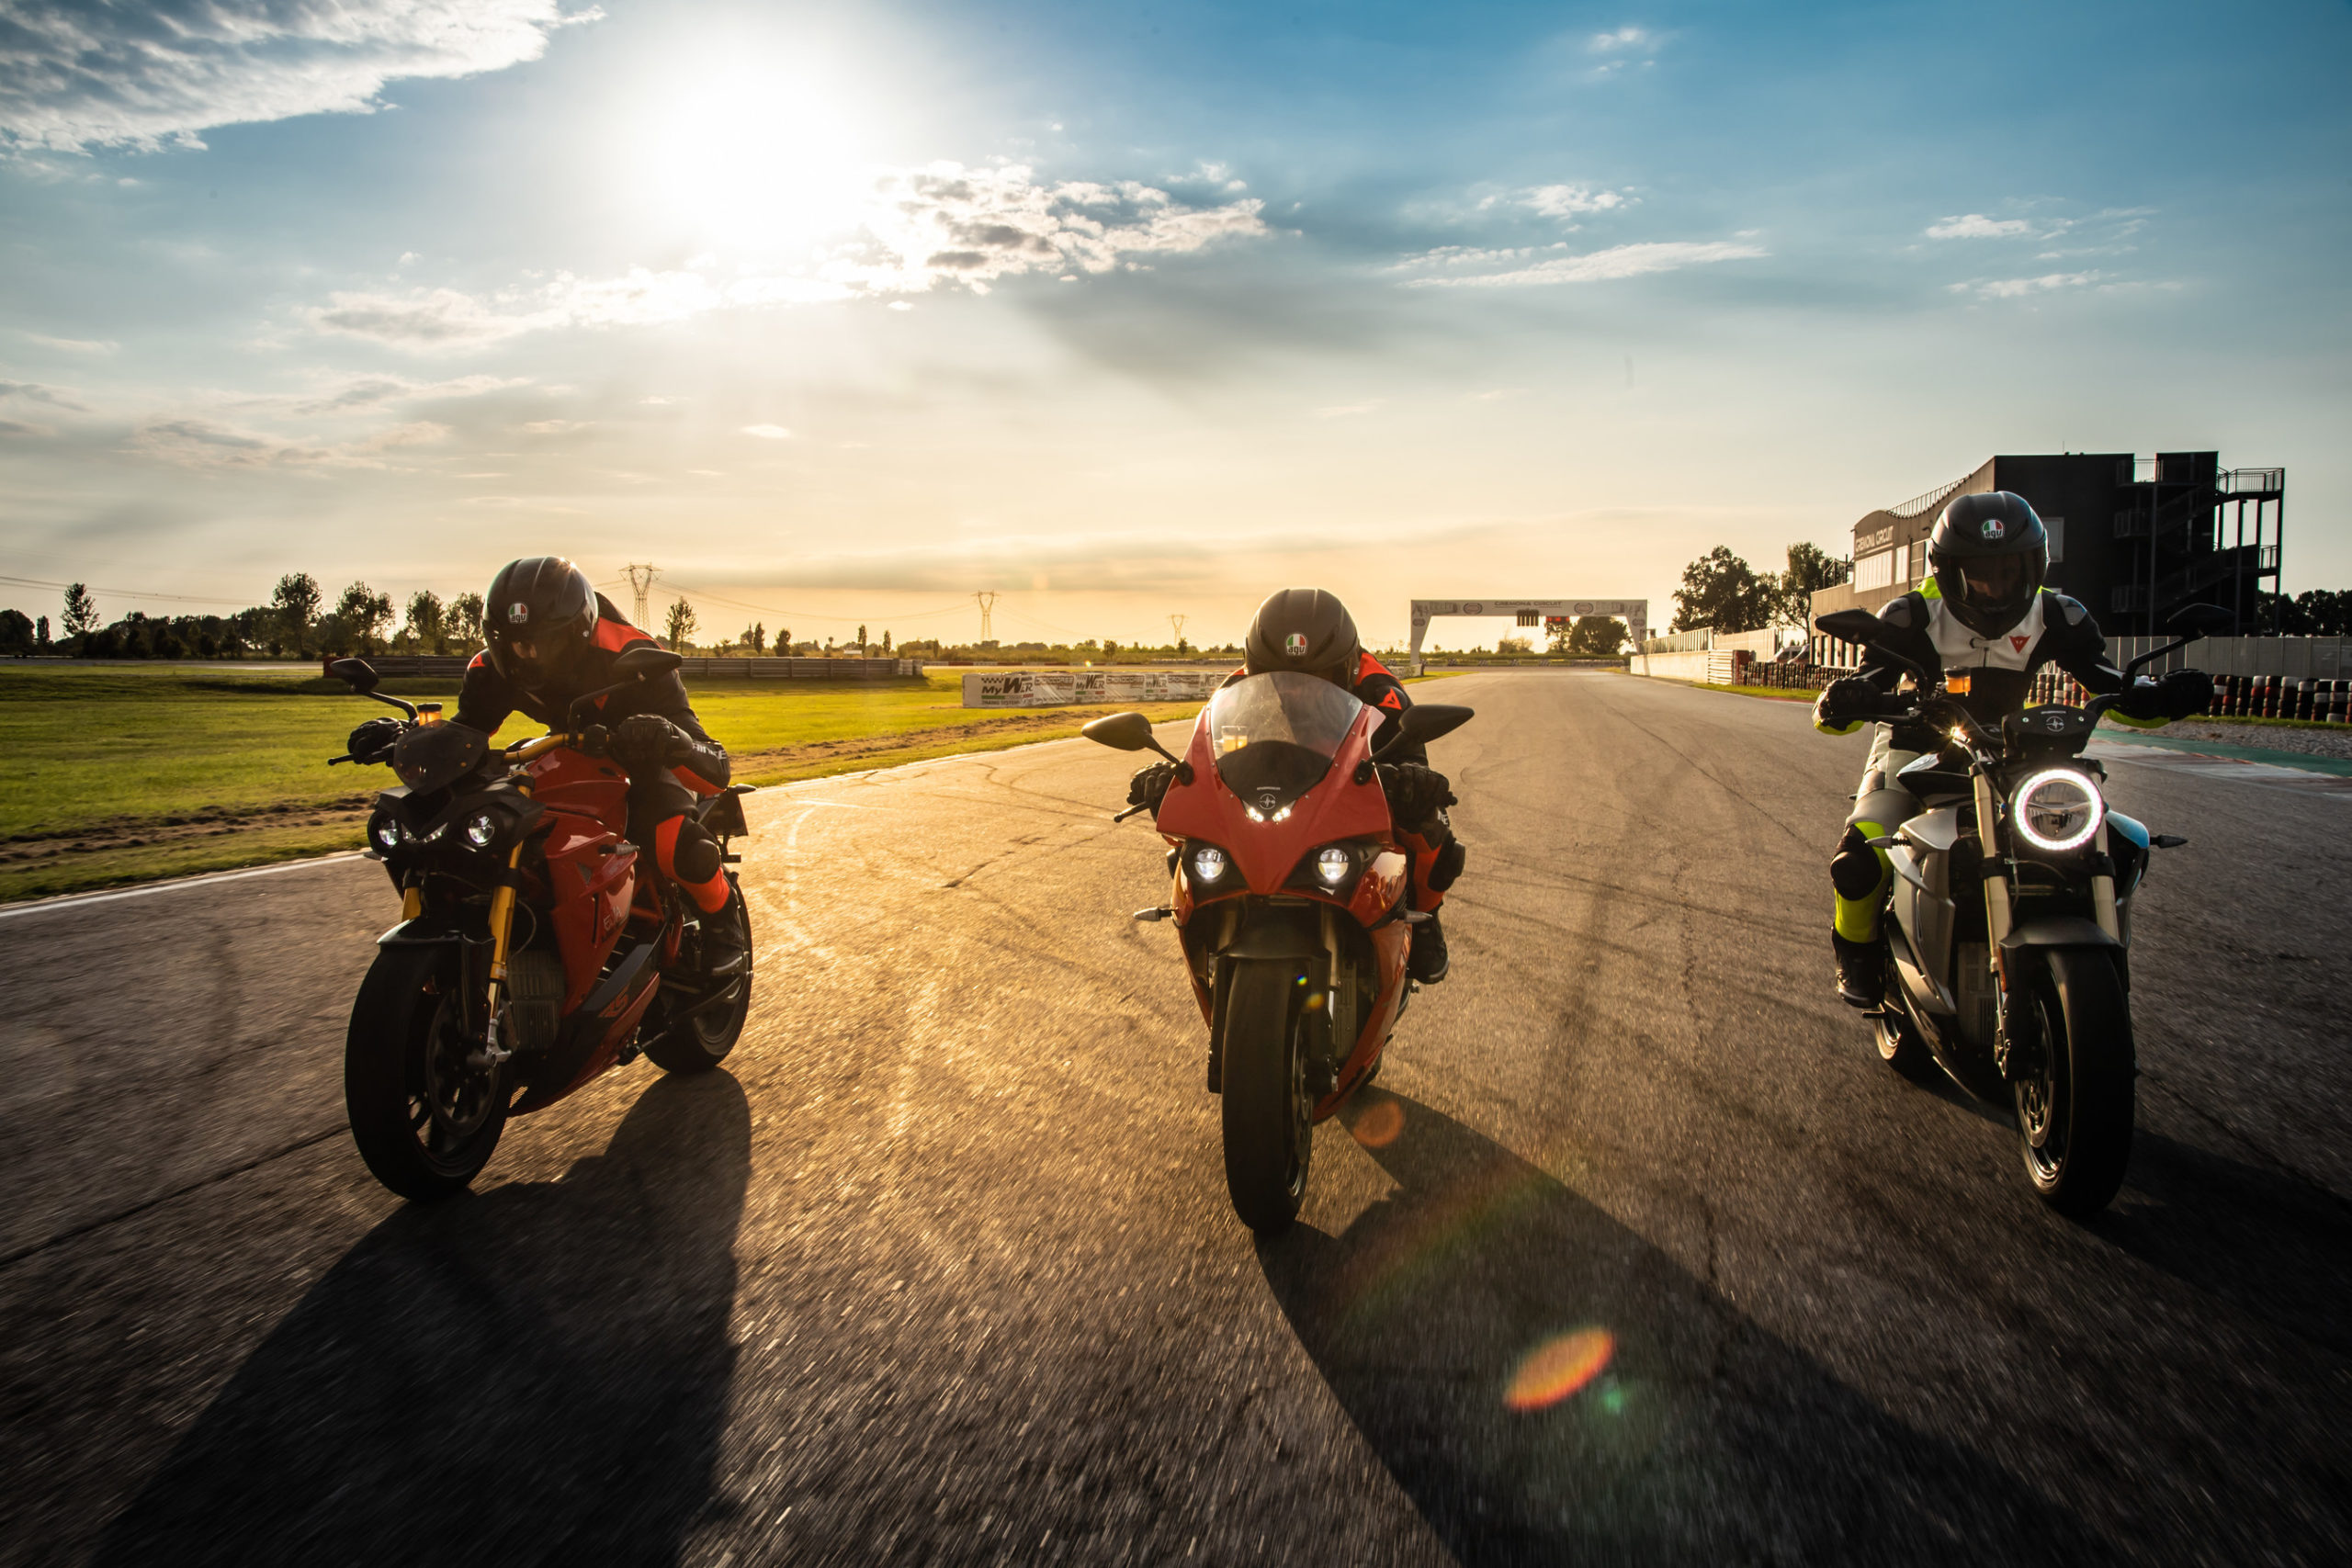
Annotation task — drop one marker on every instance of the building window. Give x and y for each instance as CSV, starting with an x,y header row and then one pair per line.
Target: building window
x,y
2056,528
1874,571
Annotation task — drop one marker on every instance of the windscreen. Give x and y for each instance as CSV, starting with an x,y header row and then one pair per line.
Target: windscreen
x,y
1275,736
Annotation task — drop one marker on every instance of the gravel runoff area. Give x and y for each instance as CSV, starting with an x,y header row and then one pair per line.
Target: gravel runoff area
x,y
2333,741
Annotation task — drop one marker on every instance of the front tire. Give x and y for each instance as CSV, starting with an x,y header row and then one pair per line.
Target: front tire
x,y
424,1121
1269,1130
2075,1104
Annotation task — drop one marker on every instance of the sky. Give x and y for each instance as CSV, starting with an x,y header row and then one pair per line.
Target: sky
x,y
841,314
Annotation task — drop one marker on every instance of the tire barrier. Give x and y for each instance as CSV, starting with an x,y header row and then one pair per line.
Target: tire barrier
x,y
2278,696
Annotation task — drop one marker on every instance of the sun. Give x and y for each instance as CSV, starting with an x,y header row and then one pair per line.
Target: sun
x,y
753,160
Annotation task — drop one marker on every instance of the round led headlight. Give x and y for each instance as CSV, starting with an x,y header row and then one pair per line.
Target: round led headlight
x,y
1208,862
1333,865
386,833
2058,809
480,828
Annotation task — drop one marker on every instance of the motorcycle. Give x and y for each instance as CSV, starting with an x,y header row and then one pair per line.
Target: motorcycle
x,y
533,952
2020,994
1290,898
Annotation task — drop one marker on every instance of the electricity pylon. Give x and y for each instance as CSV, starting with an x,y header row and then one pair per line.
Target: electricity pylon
x,y
1176,625
641,582
987,601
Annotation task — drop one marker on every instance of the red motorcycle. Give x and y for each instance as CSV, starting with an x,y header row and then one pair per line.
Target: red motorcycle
x,y
533,952
1291,902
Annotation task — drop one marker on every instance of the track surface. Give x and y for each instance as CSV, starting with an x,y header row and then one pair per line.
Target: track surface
x,y
941,1268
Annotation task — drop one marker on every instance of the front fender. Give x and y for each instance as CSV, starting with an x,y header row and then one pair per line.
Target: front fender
x,y
2057,930
1276,931
426,931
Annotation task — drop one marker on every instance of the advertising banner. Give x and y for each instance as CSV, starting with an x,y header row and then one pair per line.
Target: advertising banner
x,y
1066,688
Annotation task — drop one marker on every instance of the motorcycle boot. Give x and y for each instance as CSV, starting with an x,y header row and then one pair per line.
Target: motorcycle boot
x,y
1861,972
1427,962
723,952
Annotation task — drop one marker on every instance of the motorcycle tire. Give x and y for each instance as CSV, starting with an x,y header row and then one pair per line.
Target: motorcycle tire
x,y
1268,1109
424,1122
698,1043
2075,1109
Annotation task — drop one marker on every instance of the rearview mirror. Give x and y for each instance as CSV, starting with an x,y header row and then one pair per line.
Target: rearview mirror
x,y
1121,732
1425,722
356,674
1851,625
2200,620
642,661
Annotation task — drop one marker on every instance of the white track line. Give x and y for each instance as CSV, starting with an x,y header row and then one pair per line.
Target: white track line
x,y
75,900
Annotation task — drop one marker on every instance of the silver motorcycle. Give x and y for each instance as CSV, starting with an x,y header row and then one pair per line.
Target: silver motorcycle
x,y
2008,919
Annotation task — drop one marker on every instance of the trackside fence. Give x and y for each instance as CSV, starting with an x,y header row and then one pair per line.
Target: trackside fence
x,y
692,669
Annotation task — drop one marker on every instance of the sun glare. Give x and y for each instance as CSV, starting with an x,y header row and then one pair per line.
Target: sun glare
x,y
751,159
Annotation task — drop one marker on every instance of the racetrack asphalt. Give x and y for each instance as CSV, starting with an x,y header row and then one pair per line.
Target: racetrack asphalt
x,y
940,1267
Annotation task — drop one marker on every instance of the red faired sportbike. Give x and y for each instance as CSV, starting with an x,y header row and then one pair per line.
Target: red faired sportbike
x,y
534,951
1291,900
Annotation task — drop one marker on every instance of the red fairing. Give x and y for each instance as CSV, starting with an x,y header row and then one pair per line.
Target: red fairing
x,y
1264,852
591,878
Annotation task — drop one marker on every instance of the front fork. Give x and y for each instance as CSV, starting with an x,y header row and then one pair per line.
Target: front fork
x,y
501,929
2016,1039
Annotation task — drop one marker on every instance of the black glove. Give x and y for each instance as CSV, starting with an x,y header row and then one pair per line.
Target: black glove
x,y
647,741
2184,692
1149,787
1415,793
1850,698
373,741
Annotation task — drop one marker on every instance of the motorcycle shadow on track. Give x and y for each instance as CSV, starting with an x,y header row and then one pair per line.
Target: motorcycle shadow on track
x,y
1653,1422
535,1374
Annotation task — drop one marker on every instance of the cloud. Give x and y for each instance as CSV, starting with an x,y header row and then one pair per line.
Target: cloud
x,y
74,345
941,226
32,391
2020,288
768,432
1603,266
1569,200
159,72
556,426
197,443
1623,41
1976,226
370,391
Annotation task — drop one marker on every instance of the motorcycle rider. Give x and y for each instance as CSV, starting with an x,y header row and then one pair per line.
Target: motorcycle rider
x,y
1307,631
1984,617
551,637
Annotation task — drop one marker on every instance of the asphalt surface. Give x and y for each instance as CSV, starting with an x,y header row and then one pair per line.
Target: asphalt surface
x,y
940,1268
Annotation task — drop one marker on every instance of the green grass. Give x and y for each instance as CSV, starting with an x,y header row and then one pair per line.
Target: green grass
x,y
164,773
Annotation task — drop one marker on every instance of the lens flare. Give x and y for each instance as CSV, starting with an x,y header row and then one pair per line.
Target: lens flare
x,y
1559,1367
1378,1126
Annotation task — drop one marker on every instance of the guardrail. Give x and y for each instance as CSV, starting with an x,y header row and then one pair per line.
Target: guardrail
x,y
691,668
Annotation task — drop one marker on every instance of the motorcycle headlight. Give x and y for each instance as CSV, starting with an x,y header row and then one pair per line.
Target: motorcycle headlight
x,y
386,833
481,829
2058,809
1334,865
1208,863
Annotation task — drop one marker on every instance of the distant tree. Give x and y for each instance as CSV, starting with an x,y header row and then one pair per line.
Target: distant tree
x,y
427,620
2315,612
784,639
861,637
681,624
16,632
885,642
1722,590
463,618
1512,644
1811,569
1598,637
364,614
41,634
296,602
756,638
80,611
1109,650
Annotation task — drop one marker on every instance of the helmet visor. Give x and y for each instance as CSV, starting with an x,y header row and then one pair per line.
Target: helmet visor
x,y
1994,580
530,662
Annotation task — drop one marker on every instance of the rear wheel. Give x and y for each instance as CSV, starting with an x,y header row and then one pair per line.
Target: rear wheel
x,y
698,1043
424,1118
2074,1101
1269,1131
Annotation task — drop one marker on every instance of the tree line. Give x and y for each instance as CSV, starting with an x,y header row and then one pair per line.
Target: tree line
x,y
296,622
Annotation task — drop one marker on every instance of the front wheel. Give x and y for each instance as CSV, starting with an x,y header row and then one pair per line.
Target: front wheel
x,y
424,1118
1269,1128
2075,1100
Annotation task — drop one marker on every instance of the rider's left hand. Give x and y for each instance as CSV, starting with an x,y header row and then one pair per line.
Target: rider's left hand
x,y
373,740
2184,692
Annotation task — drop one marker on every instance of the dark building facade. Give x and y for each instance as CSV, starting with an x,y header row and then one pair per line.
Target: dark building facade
x,y
2133,538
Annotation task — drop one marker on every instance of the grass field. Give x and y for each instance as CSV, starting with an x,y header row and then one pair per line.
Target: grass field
x,y
120,775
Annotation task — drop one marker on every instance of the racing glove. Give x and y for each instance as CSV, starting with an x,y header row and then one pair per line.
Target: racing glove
x,y
644,741
1149,787
1415,793
1850,699
373,740
2180,694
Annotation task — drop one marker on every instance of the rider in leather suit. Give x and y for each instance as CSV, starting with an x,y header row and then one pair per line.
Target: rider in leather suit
x,y
552,637
1308,631
1985,618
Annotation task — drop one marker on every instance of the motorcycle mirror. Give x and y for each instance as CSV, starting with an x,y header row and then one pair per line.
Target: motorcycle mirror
x,y
356,674
1851,625
1425,723
2200,620
1122,732
642,661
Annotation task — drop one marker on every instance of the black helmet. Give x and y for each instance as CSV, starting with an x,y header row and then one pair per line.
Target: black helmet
x,y
538,618
1989,553
1307,630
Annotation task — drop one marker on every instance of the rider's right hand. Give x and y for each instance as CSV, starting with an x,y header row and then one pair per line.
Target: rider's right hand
x,y
373,741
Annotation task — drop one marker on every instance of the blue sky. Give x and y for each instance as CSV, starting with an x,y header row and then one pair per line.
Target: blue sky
x,y
845,313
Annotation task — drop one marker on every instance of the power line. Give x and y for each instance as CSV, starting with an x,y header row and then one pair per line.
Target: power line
x,y
116,593
849,620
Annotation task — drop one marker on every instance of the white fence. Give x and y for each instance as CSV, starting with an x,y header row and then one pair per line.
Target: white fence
x,y
1062,688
